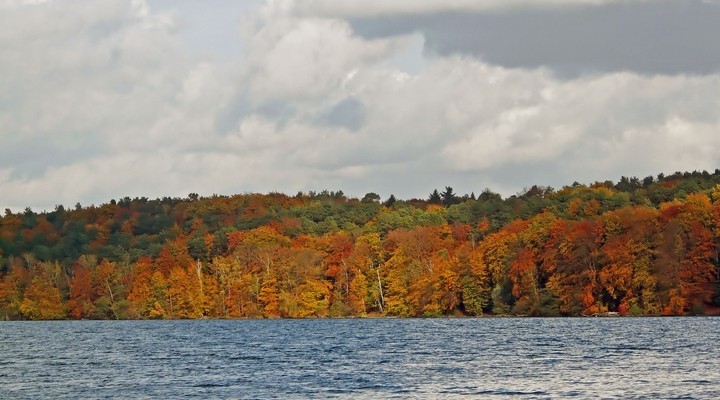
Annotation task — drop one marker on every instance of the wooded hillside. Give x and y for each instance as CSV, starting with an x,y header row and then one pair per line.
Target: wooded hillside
x,y
635,247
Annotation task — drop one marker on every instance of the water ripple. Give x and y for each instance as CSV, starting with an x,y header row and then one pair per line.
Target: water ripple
x,y
363,359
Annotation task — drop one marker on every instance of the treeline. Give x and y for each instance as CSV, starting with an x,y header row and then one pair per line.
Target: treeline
x,y
636,247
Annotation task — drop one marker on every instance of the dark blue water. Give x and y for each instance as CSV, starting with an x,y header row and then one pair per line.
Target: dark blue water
x,y
363,358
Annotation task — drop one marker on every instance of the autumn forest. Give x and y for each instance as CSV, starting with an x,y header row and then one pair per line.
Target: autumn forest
x,y
636,247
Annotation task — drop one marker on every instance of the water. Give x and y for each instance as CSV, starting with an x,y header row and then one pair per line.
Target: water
x,y
363,358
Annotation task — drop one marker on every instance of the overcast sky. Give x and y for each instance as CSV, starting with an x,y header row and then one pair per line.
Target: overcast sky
x,y
113,98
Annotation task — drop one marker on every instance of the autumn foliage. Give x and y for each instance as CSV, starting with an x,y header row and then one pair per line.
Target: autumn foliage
x,y
634,248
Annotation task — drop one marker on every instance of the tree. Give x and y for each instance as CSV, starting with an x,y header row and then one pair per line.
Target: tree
x,y
82,297
181,294
474,280
524,277
312,300
638,247
147,291
42,299
111,300
573,263
12,289
435,198
448,197
390,201
270,298
371,198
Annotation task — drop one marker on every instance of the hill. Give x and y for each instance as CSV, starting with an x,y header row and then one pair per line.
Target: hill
x,y
638,247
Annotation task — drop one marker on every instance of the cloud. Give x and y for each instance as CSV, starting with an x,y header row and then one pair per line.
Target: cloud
x,y
348,113
82,81
473,125
602,125
292,58
375,8
647,37
100,101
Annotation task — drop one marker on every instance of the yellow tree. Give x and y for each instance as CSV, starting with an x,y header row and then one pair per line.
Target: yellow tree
x,y
12,288
183,293
336,249
159,289
42,298
446,295
313,299
475,283
367,289
270,298
140,293
496,254
110,291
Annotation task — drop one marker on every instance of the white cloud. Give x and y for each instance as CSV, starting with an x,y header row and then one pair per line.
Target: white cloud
x,y
373,8
292,58
85,80
107,101
602,125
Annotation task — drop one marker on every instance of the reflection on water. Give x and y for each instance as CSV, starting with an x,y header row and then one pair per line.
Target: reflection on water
x,y
363,358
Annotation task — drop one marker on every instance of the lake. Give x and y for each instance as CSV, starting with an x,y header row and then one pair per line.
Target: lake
x,y
363,358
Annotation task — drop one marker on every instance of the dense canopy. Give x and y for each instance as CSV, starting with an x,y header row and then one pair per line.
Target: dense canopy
x,y
636,247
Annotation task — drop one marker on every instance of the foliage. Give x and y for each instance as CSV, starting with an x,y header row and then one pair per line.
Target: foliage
x,y
638,247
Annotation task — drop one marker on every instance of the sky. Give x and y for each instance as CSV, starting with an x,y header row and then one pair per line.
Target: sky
x,y
150,98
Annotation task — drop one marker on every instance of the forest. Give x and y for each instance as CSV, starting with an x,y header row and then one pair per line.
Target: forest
x,y
636,247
